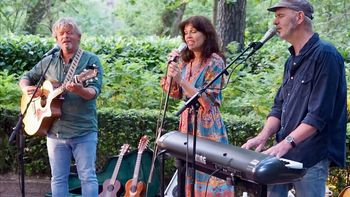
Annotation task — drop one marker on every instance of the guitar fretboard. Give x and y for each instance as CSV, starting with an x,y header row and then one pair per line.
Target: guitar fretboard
x,y
136,172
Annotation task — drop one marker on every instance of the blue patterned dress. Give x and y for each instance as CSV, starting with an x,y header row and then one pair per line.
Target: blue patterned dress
x,y
209,121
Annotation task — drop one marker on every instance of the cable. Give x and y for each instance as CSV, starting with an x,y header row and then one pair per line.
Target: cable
x,y
206,187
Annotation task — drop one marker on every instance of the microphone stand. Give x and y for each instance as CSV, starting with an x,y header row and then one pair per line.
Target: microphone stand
x,y
155,152
19,129
193,102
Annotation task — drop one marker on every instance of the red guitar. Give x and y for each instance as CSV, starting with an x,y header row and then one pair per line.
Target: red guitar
x,y
44,110
133,187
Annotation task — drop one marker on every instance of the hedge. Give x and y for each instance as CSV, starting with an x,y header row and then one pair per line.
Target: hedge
x,y
133,67
116,128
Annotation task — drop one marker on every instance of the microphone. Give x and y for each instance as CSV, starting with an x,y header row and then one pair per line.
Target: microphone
x,y
52,51
181,48
268,35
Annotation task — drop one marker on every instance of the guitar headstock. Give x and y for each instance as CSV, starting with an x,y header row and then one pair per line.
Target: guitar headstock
x,y
143,143
124,149
86,75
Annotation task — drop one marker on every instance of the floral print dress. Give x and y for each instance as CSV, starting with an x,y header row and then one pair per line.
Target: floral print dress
x,y
209,121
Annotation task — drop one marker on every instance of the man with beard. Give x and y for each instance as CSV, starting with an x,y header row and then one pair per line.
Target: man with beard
x,y
74,133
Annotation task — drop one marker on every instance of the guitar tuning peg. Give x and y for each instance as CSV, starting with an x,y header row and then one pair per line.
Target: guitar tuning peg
x,y
96,78
94,66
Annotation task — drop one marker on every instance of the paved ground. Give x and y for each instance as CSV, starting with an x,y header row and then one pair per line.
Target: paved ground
x,y
34,186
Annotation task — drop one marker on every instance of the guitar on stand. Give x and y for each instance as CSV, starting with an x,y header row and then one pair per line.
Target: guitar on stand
x,y
133,187
44,110
112,187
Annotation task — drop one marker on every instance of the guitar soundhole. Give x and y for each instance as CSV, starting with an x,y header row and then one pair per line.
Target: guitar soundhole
x,y
43,101
110,188
133,188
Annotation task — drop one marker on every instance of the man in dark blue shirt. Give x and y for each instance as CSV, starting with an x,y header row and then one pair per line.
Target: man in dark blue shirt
x,y
309,113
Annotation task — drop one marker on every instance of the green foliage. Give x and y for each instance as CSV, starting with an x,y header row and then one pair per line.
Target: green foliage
x,y
116,128
9,91
92,15
8,153
130,86
20,53
95,17
133,15
133,68
253,85
199,7
12,15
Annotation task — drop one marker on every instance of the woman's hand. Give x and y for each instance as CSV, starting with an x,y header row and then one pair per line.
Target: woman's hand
x,y
174,71
173,56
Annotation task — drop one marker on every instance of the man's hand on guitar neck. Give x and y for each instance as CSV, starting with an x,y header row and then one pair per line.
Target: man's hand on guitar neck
x,y
77,88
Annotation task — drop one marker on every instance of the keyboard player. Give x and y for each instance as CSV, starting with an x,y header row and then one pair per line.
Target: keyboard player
x,y
309,114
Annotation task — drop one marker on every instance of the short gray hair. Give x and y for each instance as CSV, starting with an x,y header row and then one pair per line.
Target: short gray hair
x,y
62,22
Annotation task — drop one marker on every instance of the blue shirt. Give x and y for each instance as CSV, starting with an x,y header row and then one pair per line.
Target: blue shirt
x,y
314,92
79,116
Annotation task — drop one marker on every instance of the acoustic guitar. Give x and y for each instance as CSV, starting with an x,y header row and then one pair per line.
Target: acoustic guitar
x,y
345,192
44,110
112,187
133,187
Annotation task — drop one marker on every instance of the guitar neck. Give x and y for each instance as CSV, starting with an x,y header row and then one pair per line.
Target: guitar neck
x,y
57,91
82,77
136,171
116,169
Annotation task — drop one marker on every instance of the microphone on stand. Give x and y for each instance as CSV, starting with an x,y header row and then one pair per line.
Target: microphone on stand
x,y
257,45
268,35
52,51
181,48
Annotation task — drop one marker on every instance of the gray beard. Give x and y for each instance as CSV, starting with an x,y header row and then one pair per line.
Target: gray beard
x,y
68,47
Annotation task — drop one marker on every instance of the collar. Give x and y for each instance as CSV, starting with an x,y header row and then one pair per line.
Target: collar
x,y
314,38
70,59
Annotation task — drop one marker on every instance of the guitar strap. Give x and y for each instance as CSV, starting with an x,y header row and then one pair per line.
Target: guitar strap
x,y
73,67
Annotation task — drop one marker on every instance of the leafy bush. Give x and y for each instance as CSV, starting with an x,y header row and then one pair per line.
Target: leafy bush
x,y
9,90
116,128
20,53
132,70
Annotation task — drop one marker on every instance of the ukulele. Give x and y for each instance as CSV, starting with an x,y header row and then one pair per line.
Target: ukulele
x,y
133,187
45,109
111,187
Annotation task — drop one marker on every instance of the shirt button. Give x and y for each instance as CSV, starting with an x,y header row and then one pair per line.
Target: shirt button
x,y
302,81
291,77
294,63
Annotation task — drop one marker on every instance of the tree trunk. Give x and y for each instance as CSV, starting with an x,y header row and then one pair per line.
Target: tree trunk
x,y
35,14
231,22
215,12
171,20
